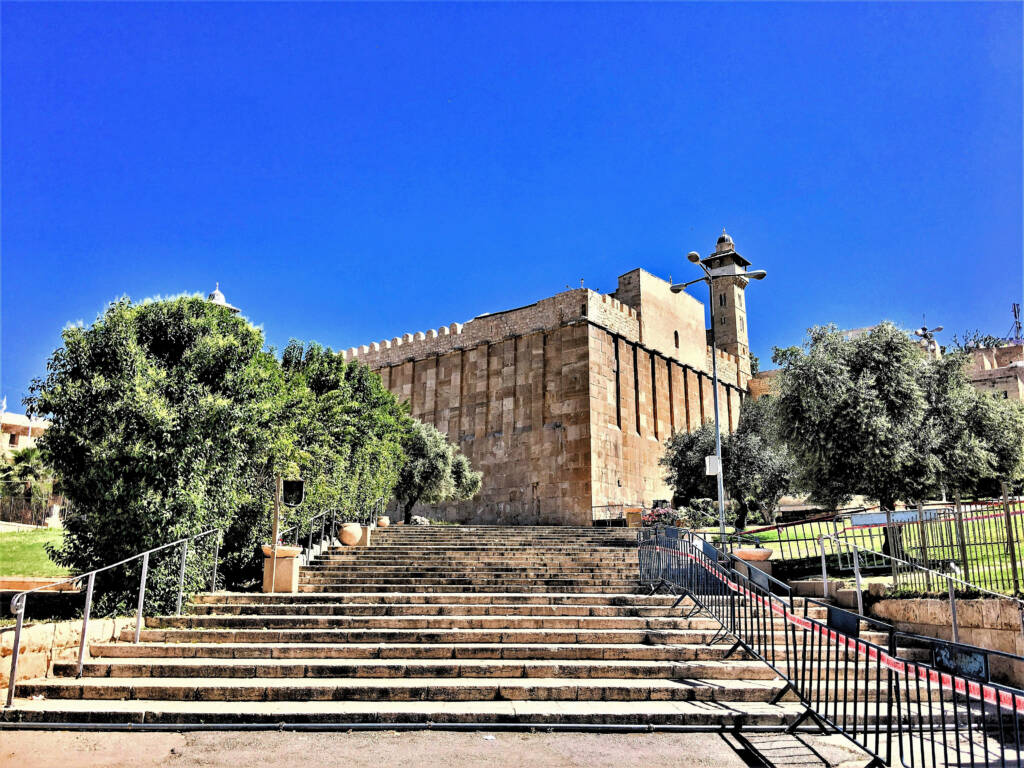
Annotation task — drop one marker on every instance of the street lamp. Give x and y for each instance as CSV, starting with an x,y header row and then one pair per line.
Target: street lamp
x,y
735,269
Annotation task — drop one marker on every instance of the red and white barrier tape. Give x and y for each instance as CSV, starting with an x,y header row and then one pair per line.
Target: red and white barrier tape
x,y
911,670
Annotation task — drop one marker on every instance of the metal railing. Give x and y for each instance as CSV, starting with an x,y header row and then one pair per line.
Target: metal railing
x,y
313,536
19,601
984,538
904,578
844,668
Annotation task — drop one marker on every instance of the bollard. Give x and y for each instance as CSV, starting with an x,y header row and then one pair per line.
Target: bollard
x,y
16,648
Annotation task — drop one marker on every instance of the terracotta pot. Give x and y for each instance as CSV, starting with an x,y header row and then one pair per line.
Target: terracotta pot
x,y
282,551
383,522
351,533
753,555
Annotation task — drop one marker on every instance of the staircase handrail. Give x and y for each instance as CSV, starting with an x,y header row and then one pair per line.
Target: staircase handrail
x,y
19,600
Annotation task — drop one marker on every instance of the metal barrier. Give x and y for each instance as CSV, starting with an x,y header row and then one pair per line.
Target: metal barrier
x,y
19,601
844,668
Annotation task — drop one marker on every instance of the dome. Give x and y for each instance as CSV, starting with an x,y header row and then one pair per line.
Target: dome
x,y
217,297
724,243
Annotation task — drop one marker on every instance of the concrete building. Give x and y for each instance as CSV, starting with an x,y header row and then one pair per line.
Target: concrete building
x,y
999,370
18,431
565,404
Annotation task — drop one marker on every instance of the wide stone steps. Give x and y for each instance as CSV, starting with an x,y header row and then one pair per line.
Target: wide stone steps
x,y
707,714
418,651
419,689
471,625
153,666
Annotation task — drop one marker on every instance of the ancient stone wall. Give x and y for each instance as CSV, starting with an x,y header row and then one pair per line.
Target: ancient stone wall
x,y
561,404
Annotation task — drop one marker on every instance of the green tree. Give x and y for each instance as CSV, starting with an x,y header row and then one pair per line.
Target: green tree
x,y
876,416
162,420
975,339
757,466
347,430
434,470
760,467
683,461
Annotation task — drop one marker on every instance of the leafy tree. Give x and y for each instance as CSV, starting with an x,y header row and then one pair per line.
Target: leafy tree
x,y
434,470
347,430
683,460
161,415
26,475
760,467
876,416
756,464
975,339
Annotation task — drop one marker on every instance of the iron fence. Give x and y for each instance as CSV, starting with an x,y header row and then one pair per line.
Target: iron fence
x,y
982,539
845,669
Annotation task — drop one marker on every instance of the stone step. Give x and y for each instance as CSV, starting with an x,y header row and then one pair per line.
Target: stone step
x,y
430,689
465,580
446,588
390,635
430,609
426,598
272,621
707,714
424,668
200,649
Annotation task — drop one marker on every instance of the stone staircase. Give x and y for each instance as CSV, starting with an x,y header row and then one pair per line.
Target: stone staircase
x,y
462,625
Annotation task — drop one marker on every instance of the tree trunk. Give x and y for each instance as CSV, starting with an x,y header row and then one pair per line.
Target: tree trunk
x,y
742,513
408,510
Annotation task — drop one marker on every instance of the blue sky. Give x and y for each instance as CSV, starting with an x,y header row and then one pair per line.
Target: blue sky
x,y
354,172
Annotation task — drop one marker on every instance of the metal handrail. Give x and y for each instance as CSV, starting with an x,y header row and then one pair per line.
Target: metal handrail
x,y
897,708
19,600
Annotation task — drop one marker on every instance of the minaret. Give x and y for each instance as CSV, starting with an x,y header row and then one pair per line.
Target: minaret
x,y
730,309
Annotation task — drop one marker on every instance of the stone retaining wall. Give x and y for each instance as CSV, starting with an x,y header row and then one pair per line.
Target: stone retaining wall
x,y
988,623
44,644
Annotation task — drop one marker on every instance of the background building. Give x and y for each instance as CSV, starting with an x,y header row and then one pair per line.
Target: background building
x,y
565,404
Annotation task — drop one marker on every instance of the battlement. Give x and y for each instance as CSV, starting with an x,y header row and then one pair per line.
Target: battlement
x,y
553,312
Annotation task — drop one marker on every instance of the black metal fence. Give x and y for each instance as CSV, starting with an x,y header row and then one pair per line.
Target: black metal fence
x,y
915,700
981,540
18,509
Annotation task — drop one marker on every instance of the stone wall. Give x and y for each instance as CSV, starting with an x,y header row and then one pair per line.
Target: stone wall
x,y
44,644
988,623
564,404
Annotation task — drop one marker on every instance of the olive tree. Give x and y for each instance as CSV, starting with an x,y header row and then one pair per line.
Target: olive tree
x,y
434,470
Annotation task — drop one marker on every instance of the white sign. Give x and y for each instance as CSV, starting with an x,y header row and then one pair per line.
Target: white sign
x,y
711,465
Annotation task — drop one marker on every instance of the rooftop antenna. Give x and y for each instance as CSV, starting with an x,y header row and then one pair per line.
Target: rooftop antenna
x,y
1016,333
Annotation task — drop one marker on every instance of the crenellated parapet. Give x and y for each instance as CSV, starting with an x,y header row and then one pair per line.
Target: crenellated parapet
x,y
567,307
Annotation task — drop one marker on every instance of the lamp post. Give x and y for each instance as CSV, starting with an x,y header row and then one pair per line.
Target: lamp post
x,y
709,276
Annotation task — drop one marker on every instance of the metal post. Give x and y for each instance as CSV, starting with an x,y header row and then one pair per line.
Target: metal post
x,y
718,429
824,569
856,575
17,647
181,577
142,596
1011,548
952,608
216,555
892,533
922,534
277,523
85,622
959,518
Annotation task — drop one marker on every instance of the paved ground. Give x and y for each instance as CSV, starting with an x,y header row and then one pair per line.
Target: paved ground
x,y
63,749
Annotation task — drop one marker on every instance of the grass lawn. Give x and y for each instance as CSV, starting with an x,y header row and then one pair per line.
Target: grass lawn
x,y
23,553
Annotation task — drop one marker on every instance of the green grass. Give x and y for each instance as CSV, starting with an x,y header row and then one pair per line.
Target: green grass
x,y
23,553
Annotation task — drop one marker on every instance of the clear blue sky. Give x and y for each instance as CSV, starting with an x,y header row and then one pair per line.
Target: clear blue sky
x,y
354,172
